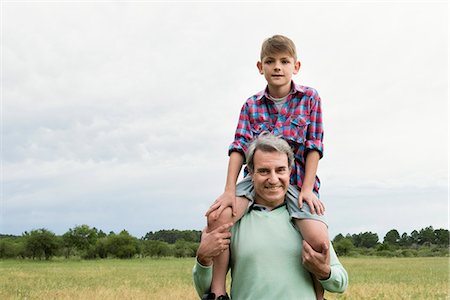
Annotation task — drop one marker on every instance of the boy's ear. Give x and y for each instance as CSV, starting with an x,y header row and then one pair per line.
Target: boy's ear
x,y
297,67
260,67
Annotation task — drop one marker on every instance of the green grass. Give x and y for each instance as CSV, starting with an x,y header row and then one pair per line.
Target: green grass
x,y
370,278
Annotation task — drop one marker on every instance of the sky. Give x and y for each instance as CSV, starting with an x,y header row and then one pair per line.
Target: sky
x,y
119,115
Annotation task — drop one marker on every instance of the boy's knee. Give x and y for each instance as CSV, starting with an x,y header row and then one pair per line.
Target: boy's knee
x,y
225,217
318,242
314,232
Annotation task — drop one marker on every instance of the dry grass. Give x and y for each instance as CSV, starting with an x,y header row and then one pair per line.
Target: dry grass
x,y
161,279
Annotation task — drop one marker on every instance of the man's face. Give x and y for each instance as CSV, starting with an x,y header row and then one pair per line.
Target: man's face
x,y
278,69
270,177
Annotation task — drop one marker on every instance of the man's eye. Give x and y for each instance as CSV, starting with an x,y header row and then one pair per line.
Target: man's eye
x,y
263,172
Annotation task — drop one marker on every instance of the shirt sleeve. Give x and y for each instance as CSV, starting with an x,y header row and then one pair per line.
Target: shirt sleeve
x,y
314,135
243,132
202,276
338,281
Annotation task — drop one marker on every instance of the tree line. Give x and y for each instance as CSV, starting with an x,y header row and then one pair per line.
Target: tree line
x,y
90,243
425,242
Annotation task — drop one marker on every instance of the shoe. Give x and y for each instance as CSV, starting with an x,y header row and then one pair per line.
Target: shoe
x,y
210,296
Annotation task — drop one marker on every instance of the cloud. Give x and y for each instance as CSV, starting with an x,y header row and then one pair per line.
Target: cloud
x,y
119,115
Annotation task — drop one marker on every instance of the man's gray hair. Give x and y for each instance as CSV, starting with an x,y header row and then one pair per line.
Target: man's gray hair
x,y
268,142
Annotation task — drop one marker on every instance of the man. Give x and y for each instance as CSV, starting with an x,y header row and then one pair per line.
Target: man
x,y
269,259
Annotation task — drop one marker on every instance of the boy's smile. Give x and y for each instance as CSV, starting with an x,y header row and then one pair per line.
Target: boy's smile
x,y
278,70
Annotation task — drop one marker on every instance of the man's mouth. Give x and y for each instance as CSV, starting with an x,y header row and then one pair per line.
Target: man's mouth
x,y
273,188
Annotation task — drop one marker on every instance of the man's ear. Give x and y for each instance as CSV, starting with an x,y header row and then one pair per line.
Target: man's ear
x,y
297,67
260,67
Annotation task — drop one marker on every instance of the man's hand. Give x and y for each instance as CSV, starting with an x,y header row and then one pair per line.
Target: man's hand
x,y
213,243
314,203
318,263
227,199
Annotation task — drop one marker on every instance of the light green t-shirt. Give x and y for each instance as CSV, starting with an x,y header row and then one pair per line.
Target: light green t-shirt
x,y
266,261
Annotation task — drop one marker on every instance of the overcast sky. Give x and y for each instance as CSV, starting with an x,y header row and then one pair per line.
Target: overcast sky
x,y
119,114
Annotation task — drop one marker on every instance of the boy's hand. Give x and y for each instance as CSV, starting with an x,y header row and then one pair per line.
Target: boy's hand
x,y
318,263
314,203
227,199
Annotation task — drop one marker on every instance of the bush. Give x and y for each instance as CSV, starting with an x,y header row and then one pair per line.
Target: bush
x,y
122,245
185,249
156,249
11,249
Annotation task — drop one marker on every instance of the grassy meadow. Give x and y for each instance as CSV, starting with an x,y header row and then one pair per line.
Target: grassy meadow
x,y
370,278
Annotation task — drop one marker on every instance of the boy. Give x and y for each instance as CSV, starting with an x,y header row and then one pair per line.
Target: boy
x,y
293,112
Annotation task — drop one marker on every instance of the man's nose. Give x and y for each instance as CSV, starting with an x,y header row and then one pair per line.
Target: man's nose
x,y
273,178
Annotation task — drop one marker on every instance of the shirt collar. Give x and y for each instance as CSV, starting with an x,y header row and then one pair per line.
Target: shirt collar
x,y
259,207
296,88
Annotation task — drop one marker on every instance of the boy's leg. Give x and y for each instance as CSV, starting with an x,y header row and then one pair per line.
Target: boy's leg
x,y
220,263
313,228
315,233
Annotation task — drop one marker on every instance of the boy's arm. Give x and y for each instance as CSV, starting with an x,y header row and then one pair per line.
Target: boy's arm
x,y
314,151
306,192
228,198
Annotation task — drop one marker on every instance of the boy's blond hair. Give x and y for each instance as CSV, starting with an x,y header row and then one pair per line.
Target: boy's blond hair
x,y
278,44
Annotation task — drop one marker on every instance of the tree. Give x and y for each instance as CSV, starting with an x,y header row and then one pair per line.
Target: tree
x,y
343,246
41,243
414,237
442,237
405,240
426,236
366,239
185,249
171,236
83,239
338,237
122,245
156,248
392,237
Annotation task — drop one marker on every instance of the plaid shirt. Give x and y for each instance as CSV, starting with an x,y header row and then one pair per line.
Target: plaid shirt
x,y
299,122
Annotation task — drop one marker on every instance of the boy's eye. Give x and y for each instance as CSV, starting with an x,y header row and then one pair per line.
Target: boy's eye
x,y
269,61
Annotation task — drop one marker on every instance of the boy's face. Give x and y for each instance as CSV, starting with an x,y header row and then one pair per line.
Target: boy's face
x,y
278,69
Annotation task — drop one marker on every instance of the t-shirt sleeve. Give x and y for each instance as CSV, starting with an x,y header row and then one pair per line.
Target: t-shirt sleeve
x,y
338,281
202,276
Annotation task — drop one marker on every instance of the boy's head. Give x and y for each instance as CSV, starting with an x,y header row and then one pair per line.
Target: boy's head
x,y
278,44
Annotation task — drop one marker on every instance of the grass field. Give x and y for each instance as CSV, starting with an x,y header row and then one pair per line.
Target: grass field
x,y
370,278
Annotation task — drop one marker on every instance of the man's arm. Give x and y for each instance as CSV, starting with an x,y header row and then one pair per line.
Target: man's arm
x,y
326,266
211,245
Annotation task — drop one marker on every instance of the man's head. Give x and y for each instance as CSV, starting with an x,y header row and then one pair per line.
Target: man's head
x,y
278,63
269,160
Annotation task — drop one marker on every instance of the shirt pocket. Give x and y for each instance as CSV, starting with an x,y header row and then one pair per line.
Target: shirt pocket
x,y
258,128
295,128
